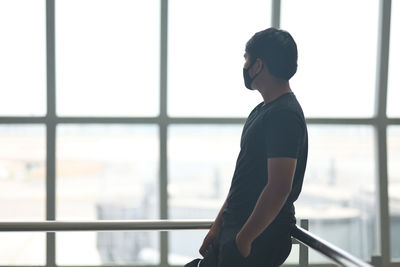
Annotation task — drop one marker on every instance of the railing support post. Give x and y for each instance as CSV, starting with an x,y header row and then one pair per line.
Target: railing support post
x,y
303,249
377,261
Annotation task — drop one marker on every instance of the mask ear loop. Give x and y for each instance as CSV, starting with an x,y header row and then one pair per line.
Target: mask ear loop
x,y
262,66
251,65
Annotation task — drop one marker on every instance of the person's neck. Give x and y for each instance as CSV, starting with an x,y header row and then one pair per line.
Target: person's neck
x,y
270,92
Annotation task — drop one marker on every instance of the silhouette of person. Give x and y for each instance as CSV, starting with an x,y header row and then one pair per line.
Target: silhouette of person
x,y
253,227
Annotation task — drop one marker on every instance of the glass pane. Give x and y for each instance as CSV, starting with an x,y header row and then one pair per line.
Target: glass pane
x,y
107,173
394,189
394,62
201,161
338,195
337,55
206,56
22,58
108,57
22,192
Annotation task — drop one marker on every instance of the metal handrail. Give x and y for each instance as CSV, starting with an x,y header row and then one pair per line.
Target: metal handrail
x,y
305,237
336,254
104,225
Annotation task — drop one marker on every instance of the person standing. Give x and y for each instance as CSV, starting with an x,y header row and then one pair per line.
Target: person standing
x,y
253,227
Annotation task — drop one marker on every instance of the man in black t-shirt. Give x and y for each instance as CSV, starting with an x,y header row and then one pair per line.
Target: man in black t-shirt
x,y
253,226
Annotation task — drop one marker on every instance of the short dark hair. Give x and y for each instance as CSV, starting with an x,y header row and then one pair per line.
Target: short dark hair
x,y
277,49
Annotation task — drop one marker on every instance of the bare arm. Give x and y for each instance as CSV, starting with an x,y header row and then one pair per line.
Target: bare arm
x,y
270,202
218,219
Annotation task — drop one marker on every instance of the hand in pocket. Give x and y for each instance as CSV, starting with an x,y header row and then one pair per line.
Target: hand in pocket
x,y
231,256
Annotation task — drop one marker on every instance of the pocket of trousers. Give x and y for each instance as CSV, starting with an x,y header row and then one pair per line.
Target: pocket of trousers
x,y
211,259
231,256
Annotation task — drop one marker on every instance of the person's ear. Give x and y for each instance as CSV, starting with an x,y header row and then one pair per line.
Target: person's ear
x,y
258,66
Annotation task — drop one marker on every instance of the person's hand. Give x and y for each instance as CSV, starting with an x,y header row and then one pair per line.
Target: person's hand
x,y
211,238
243,245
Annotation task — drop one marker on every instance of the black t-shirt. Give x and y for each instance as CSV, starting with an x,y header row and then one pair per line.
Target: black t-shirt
x,y
277,129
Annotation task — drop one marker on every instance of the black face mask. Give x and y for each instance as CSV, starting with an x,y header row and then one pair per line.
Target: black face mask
x,y
246,76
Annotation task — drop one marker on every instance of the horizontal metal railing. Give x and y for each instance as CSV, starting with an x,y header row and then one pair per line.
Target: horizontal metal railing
x,y
336,254
301,235
104,225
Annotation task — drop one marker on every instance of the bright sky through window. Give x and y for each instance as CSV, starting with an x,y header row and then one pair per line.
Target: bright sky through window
x,y
22,58
337,43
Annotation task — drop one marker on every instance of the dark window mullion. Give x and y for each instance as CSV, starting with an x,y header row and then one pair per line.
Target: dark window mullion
x,y
51,131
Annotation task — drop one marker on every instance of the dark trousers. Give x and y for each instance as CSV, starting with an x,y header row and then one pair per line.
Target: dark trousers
x,y
270,249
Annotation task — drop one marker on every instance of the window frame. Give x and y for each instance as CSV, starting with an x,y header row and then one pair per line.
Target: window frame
x,y
379,122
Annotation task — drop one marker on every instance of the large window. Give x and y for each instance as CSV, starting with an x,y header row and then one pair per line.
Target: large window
x,y
394,132
107,57
339,188
146,103
394,63
22,187
22,58
338,195
337,55
394,189
107,173
205,56
201,163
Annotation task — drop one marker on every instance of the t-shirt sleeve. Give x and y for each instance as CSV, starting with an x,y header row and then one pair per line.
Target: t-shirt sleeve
x,y
284,134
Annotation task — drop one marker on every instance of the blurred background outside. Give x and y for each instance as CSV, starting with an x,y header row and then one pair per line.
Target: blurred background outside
x,y
108,65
